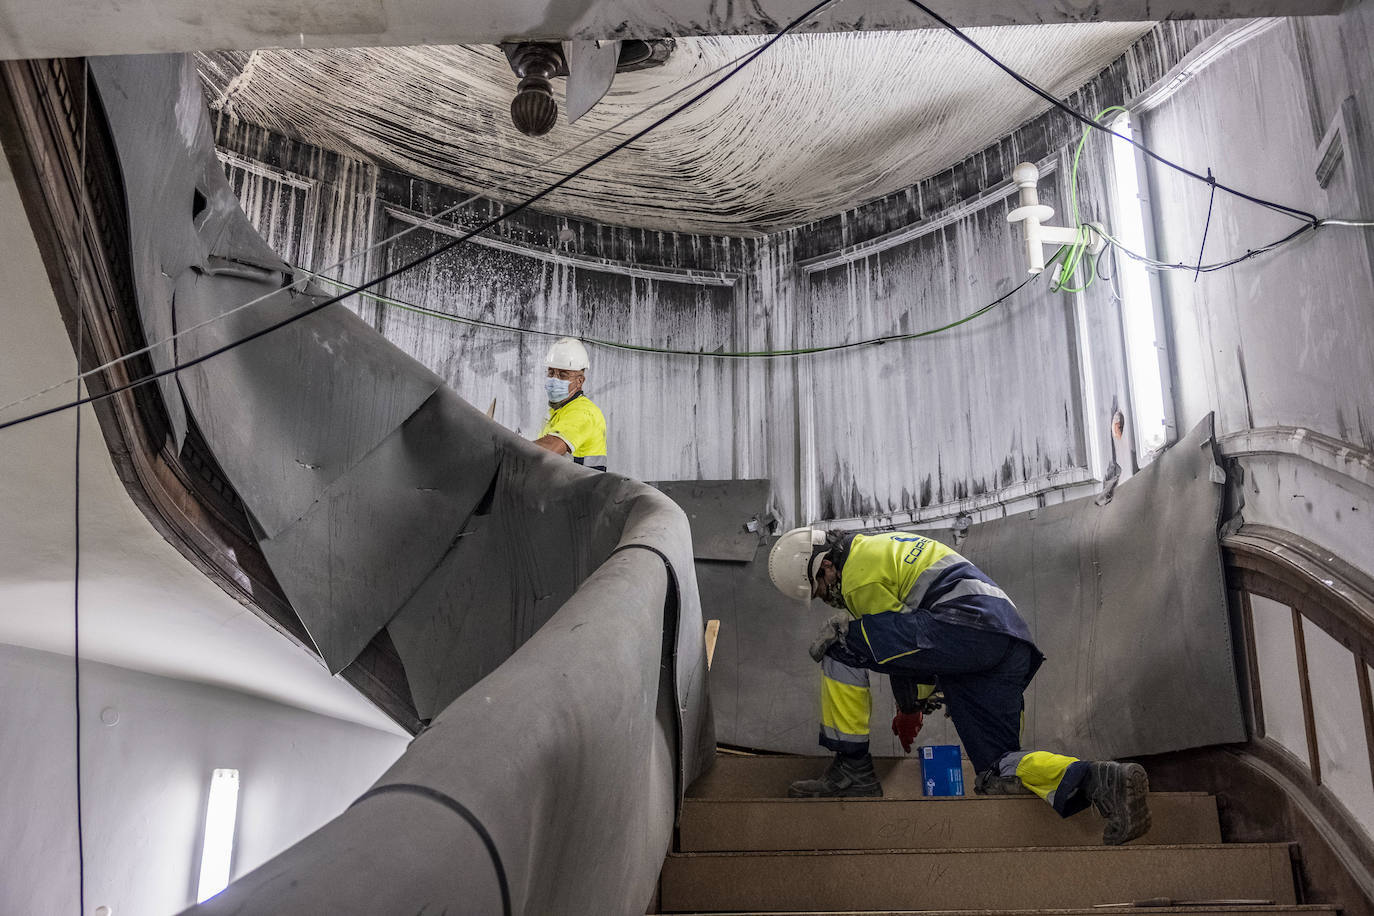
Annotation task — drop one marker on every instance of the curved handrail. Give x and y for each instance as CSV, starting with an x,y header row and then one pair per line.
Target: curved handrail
x,y
543,789
1337,598
1292,570
547,616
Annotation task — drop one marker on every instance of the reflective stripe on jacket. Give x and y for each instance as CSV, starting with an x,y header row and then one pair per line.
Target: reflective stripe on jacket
x,y
901,572
580,424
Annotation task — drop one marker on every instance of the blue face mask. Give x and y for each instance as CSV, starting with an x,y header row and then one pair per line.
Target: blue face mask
x,y
557,389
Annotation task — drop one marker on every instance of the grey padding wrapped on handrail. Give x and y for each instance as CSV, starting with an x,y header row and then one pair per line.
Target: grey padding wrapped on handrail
x,y
546,615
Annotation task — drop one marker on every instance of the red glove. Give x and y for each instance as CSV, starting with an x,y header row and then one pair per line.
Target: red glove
x,y
906,726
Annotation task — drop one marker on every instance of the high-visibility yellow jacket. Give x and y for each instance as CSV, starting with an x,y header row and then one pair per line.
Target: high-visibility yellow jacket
x,y
896,573
581,426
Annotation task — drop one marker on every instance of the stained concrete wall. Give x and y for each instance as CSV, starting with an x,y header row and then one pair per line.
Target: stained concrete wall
x,y
1015,404
145,780
1012,410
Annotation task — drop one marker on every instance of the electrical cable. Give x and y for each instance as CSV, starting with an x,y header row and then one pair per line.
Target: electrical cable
x,y
425,223
1206,227
1078,115
668,351
1102,275
1156,265
1083,237
448,246
1085,230
76,490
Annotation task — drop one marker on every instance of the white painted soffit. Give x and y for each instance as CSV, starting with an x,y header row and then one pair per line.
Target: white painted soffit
x,y
816,125
32,28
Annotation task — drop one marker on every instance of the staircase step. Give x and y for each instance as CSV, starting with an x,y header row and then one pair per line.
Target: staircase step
x,y
972,879
769,777
720,825
1185,910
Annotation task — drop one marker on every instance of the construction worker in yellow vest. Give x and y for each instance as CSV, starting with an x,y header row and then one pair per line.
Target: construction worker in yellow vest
x,y
917,611
575,426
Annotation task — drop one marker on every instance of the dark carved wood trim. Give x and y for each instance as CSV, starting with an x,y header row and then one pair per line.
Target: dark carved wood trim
x,y
85,249
1309,718
1247,617
1289,569
1366,707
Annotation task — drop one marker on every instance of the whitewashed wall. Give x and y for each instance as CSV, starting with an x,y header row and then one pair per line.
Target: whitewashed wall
x,y
1014,406
145,781
1280,347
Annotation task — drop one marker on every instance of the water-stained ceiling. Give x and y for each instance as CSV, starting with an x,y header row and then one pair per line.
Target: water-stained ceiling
x,y
817,124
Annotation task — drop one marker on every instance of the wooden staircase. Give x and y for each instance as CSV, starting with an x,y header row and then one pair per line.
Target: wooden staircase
x,y
743,847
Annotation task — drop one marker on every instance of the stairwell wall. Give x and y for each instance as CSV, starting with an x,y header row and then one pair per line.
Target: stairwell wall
x,y
1280,346
145,780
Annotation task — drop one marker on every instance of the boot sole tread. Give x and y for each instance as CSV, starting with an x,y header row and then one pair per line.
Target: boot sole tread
x,y
1134,793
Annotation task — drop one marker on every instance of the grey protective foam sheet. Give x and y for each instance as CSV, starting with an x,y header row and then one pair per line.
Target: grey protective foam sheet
x,y
546,615
1126,600
721,513
554,776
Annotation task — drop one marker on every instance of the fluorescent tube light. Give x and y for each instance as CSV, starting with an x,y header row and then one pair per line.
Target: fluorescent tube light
x,y
1144,348
218,850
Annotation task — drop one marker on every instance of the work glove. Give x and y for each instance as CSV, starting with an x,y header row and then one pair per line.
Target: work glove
x,y
906,726
832,631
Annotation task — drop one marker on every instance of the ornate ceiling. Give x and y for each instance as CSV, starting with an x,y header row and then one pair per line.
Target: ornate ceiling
x,y
816,125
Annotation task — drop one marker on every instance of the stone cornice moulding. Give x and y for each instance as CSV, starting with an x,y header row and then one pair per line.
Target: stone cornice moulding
x,y
950,215
1349,461
580,262
1208,51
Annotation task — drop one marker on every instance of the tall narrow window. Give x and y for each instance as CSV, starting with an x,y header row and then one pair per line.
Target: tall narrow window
x,y
1141,317
217,852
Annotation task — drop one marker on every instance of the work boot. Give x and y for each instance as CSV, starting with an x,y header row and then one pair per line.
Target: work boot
x,y
990,782
846,777
1120,793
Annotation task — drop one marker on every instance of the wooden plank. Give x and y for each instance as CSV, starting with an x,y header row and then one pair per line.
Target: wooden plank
x,y
769,776
1366,707
1252,675
973,879
1309,717
710,825
1198,910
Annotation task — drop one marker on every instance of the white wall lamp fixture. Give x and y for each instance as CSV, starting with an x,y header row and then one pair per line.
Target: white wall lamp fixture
x,y
1033,214
217,851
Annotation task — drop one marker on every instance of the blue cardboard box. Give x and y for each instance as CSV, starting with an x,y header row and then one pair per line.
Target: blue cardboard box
x,y
942,770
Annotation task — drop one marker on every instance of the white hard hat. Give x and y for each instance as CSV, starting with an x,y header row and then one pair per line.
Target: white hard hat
x,y
567,353
790,561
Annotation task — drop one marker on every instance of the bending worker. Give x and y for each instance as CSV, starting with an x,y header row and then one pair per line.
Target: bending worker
x,y
922,614
575,425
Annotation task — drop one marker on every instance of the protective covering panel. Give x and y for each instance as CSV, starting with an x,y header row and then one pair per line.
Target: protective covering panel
x,y
505,573
1126,600
379,497
299,424
720,513
398,510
